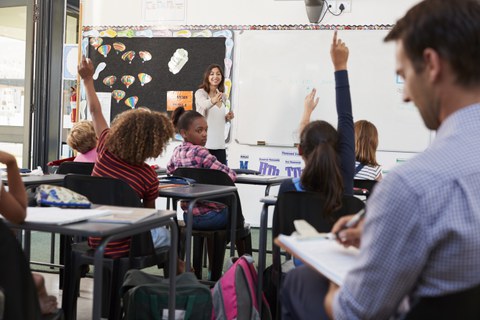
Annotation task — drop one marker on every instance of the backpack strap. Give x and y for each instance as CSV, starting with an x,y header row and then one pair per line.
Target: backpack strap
x,y
297,184
359,168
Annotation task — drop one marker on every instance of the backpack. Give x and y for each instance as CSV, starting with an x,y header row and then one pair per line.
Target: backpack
x,y
145,296
234,295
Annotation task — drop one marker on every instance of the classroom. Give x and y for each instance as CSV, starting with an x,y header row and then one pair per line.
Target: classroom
x,y
153,53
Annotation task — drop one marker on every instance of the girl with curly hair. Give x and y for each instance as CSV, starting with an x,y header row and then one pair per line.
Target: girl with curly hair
x,y
134,136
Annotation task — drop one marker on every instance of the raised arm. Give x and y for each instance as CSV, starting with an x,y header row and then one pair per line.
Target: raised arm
x,y
13,204
203,102
339,54
86,70
308,106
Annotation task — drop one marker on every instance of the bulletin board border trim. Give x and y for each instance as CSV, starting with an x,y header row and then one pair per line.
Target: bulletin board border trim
x,y
173,28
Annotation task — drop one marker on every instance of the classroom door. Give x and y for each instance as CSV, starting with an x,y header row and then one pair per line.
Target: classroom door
x,y
16,34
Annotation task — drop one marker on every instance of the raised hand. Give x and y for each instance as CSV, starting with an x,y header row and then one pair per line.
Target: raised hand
x,y
339,53
310,101
85,68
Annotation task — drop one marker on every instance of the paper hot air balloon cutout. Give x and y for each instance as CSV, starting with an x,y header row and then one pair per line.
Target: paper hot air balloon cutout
x,y
118,95
144,78
96,42
145,56
131,102
109,81
119,47
128,56
104,50
128,80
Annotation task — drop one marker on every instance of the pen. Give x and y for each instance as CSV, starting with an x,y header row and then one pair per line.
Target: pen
x,y
351,223
355,220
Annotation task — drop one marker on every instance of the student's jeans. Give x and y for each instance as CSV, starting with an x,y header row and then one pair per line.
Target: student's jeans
x,y
211,220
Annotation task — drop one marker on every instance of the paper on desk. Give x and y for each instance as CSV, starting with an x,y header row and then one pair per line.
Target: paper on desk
x,y
59,216
326,256
127,215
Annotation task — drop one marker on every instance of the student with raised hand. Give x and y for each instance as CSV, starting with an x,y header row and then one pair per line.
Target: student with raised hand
x,y
328,154
366,143
420,236
210,102
135,136
13,206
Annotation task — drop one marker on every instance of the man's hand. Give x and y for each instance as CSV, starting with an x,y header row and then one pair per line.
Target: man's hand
x,y
328,302
350,236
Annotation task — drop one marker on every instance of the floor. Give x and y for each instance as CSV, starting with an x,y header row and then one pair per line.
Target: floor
x,y
84,302
41,253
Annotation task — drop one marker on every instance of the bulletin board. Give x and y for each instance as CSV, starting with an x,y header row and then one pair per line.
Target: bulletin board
x,y
140,68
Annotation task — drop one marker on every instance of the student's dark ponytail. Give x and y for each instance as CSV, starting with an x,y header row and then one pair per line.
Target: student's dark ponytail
x,y
176,114
322,171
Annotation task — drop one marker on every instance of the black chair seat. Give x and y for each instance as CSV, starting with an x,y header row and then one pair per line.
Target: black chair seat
x,y
108,191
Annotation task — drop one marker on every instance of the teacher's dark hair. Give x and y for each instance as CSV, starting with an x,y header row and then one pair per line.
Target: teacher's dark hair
x,y
451,28
185,119
206,85
319,148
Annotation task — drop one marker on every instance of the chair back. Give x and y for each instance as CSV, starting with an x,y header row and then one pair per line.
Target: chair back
x,y
75,167
16,280
215,177
115,192
459,305
365,184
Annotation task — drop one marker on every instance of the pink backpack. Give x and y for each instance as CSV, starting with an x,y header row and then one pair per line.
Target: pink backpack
x,y
234,295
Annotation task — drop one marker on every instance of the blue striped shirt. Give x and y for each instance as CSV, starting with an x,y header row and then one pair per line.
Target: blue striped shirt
x,y
422,230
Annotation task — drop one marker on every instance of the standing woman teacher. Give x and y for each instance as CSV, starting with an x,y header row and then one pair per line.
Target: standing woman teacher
x,y
210,102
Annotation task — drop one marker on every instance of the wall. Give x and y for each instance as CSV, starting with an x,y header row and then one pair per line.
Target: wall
x,y
243,12
253,12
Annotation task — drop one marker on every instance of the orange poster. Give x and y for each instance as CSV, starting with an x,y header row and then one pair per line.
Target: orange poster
x,y
177,99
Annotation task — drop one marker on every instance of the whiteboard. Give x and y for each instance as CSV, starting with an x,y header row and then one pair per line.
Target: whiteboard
x,y
276,69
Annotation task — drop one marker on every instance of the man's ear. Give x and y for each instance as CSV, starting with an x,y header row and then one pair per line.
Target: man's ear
x,y
433,64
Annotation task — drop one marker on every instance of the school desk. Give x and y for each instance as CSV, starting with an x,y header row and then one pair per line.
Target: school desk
x,y
108,232
194,193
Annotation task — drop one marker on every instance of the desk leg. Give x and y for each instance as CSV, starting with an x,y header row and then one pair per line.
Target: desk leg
x,y
262,249
188,235
27,241
233,225
97,280
173,268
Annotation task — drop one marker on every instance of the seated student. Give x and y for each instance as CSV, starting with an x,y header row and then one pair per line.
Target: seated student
x,y
192,153
13,206
83,140
135,136
366,143
328,154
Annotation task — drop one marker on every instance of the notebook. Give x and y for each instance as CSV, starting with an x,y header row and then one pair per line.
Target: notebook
x,y
59,216
123,215
324,255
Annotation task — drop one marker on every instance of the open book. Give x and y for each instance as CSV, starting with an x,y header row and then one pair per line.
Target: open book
x,y
123,215
324,255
